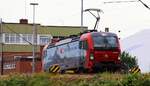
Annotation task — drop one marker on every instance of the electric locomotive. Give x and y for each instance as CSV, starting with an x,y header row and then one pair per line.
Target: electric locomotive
x,y
91,51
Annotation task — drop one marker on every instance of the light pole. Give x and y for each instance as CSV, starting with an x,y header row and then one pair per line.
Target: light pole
x,y
81,14
34,37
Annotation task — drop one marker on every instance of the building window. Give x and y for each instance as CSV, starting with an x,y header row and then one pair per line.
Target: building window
x,y
17,57
12,38
27,38
44,40
7,38
9,66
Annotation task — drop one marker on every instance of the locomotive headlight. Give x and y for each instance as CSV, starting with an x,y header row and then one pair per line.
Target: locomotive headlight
x,y
91,57
119,58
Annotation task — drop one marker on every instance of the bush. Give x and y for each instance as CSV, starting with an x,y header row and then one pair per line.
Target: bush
x,y
39,80
14,80
136,80
129,60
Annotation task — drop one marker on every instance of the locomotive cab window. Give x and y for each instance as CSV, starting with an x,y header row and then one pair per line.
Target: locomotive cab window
x,y
83,44
105,42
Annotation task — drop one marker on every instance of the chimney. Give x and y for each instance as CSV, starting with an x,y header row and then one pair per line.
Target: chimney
x,y
106,29
23,21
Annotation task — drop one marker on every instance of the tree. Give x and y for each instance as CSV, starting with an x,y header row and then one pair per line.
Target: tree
x,y
129,60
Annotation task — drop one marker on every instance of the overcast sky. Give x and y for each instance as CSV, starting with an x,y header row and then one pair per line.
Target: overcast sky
x,y
127,17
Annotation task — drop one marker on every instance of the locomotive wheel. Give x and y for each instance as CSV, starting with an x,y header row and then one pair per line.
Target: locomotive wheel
x,y
62,71
81,70
123,68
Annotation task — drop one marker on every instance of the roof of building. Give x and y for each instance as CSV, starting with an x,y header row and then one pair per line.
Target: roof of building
x,y
53,30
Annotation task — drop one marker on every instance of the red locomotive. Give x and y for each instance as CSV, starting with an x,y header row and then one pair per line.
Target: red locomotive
x,y
92,51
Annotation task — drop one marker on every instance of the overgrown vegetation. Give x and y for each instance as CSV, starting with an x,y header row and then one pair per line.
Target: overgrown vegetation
x,y
128,59
102,79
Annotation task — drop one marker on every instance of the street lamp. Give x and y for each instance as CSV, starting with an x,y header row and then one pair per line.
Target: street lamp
x,y
81,13
34,38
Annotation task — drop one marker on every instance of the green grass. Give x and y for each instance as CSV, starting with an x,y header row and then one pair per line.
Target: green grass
x,y
101,79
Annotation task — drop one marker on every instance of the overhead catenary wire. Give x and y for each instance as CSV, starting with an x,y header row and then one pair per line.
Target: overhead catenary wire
x,y
120,1
145,5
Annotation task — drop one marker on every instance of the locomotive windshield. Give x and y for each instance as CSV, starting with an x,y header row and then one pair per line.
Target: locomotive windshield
x,y
105,42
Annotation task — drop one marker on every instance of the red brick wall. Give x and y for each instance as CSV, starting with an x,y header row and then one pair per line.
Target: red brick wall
x,y
26,66
22,66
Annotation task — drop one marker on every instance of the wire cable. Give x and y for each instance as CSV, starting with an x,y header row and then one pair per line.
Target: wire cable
x,y
18,34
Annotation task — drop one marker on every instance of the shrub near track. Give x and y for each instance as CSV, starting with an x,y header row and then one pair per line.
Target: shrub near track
x,y
101,79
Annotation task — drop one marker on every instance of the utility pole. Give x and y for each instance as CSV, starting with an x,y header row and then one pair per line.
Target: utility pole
x,y
1,42
34,37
